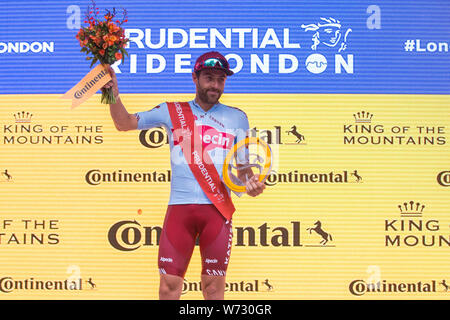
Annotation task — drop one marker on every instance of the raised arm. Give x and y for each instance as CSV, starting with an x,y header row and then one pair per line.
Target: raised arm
x,y
123,120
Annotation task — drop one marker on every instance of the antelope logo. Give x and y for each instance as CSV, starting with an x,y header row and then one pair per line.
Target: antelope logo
x,y
299,136
318,229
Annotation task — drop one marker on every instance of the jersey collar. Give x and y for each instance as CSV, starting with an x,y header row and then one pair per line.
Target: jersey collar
x,y
196,105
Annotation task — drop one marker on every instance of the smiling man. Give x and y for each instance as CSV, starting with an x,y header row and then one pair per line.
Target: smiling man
x,y
200,133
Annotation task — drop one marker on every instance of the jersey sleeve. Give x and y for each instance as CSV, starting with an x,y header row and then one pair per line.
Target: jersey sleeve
x,y
156,117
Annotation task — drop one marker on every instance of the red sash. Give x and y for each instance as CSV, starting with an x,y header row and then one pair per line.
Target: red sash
x,y
199,161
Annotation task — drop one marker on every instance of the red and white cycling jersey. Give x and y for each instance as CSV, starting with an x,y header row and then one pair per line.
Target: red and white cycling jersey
x,y
220,128
190,214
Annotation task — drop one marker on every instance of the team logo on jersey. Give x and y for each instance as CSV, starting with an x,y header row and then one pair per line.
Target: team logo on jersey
x,y
212,138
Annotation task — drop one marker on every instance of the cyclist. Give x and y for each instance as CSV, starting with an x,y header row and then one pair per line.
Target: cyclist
x,y
200,204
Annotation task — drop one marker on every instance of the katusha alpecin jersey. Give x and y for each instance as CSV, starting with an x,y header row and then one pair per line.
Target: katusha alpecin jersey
x,y
220,128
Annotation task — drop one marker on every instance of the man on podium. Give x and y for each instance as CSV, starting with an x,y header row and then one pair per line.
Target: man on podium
x,y
200,133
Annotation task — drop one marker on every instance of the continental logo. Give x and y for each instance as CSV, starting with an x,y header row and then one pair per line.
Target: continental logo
x,y
443,178
366,131
130,235
9,284
96,177
78,94
361,287
243,286
317,177
412,230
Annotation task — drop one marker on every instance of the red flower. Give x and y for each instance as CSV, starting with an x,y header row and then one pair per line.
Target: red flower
x,y
118,56
102,52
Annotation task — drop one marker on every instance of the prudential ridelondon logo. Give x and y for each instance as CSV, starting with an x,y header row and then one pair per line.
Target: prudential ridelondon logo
x,y
322,44
328,33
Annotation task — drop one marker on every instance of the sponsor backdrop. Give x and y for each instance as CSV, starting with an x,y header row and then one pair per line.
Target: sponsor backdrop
x,y
352,96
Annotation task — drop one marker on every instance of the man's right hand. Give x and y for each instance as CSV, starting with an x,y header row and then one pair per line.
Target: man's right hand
x,y
122,119
113,83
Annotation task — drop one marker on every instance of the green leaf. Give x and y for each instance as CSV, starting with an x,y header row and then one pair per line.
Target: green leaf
x,y
123,54
93,62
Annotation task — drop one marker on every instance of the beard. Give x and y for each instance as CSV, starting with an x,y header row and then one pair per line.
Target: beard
x,y
210,96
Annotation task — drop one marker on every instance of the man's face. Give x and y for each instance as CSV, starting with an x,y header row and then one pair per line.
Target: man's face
x,y
210,84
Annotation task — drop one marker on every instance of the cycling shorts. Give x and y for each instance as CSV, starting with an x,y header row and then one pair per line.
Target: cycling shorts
x,y
186,224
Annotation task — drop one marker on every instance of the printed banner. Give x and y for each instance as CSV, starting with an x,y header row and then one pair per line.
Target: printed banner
x,y
88,86
358,197
352,98
324,46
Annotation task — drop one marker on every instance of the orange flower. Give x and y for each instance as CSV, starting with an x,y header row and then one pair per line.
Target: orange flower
x,y
113,38
118,55
113,28
105,45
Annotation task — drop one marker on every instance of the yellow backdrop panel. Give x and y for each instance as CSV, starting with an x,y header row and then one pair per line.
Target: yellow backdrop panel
x,y
81,204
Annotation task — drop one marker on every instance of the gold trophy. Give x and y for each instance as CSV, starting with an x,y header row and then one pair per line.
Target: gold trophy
x,y
251,154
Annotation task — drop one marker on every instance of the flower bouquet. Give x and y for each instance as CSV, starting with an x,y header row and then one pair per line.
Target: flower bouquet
x,y
103,41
